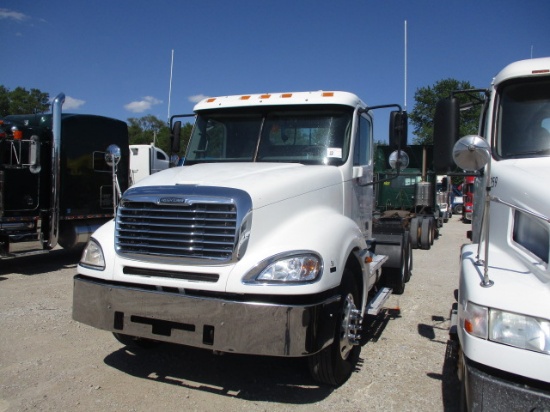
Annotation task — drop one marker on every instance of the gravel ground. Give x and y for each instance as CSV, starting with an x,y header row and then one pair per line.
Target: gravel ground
x,y
50,362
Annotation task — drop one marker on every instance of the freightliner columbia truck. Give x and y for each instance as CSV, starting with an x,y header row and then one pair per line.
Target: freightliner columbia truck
x,y
261,243
502,319
56,187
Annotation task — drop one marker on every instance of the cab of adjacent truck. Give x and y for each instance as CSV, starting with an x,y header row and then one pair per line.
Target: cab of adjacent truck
x,y
503,308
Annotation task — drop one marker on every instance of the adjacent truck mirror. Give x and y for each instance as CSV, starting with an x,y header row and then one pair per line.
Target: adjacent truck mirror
x,y
399,160
446,123
112,155
471,153
175,137
398,129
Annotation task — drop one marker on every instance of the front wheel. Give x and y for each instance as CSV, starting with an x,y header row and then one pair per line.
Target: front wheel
x,y
334,364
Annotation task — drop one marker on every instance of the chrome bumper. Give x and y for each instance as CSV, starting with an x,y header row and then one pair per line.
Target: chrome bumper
x,y
212,323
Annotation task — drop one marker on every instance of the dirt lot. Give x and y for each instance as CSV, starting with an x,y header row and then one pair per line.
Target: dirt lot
x,y
50,362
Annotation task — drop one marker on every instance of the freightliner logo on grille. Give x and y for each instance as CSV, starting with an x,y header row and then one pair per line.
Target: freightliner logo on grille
x,y
173,200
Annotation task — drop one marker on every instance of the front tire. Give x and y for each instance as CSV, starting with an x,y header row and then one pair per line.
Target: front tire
x,y
334,364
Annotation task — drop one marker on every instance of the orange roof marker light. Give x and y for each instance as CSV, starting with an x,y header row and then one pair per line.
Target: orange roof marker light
x,y
246,97
265,96
212,99
328,94
286,95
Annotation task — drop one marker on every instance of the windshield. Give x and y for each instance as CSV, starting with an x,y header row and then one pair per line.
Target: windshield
x,y
314,136
524,120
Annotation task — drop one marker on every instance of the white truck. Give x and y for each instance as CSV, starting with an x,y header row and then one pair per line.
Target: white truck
x,y
502,317
146,159
260,244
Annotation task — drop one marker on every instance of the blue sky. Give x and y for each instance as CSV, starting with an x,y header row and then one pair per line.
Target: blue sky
x,y
113,57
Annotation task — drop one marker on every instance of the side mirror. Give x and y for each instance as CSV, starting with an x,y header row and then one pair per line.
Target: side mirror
x,y
446,123
399,160
175,136
113,155
472,153
398,129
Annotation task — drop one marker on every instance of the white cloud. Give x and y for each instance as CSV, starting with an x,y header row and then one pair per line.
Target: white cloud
x,y
72,103
12,15
197,98
142,105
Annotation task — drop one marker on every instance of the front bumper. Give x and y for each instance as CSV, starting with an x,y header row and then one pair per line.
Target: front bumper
x,y
214,323
490,390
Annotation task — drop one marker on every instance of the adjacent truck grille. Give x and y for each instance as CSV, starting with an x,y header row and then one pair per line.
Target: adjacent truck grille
x,y
170,224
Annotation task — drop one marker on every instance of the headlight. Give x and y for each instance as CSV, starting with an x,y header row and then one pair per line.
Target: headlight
x,y
520,331
287,268
92,256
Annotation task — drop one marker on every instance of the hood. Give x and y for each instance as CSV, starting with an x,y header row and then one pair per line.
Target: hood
x,y
266,183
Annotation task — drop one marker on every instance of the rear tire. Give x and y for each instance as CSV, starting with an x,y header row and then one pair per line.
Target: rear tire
x,y
426,233
408,256
334,364
395,278
414,227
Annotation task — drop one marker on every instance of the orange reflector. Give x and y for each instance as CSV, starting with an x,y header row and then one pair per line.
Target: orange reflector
x,y
368,259
540,71
211,100
17,134
265,96
245,97
468,327
328,94
286,95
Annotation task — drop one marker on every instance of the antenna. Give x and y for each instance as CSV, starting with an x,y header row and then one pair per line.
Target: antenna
x,y
170,89
405,70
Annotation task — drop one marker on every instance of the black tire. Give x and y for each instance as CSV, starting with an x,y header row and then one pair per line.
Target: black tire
x,y
334,364
395,278
426,234
414,228
135,342
408,256
457,209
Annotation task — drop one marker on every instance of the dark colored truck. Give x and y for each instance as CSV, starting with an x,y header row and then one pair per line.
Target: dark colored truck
x,y
56,186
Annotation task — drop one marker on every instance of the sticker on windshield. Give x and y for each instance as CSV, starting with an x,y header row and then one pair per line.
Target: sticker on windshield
x,y
335,152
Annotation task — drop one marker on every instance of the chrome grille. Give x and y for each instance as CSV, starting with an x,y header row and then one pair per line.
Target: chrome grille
x,y
173,226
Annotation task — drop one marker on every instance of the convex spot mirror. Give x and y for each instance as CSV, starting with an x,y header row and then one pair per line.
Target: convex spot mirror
x,y
112,155
471,153
399,159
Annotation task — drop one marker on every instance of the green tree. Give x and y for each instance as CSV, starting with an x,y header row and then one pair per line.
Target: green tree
x,y
426,98
23,101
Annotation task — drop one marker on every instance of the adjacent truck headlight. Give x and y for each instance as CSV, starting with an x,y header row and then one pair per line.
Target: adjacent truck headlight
x,y
92,256
297,267
513,329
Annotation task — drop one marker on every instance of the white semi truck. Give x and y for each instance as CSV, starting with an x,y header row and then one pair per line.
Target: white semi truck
x,y
502,317
260,244
146,159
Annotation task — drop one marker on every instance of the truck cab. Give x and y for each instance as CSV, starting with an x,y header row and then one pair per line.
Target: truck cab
x,y
502,318
261,243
